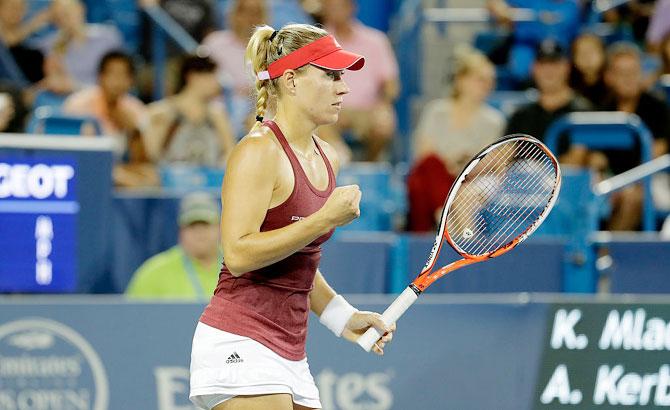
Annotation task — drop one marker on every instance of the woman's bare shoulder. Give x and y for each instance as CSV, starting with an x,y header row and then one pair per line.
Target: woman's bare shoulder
x,y
259,143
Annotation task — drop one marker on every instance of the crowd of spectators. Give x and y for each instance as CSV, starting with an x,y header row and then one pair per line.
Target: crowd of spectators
x,y
87,71
574,67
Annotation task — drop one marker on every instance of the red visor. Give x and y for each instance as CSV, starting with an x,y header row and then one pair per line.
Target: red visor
x,y
324,53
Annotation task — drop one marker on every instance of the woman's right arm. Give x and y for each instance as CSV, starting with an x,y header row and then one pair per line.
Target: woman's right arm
x,y
246,194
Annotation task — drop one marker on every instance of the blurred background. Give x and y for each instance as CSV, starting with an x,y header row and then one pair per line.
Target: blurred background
x,y
116,120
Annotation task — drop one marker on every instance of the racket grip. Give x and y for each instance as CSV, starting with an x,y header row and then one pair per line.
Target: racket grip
x,y
390,316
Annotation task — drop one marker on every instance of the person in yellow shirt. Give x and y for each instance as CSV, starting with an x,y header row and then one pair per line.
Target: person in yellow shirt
x,y
189,270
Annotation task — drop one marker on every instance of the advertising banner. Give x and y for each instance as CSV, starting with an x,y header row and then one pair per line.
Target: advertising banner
x,y
77,354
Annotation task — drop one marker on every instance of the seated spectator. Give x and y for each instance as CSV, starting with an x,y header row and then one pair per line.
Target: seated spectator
x,y
74,51
189,270
588,65
110,102
191,127
367,111
119,113
227,48
624,77
450,132
553,19
14,31
550,73
457,127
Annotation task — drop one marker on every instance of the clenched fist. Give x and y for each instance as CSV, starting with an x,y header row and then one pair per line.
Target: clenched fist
x,y
342,205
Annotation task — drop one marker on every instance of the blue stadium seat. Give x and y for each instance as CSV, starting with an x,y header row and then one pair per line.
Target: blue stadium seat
x,y
189,177
45,98
602,130
46,120
576,209
383,195
608,130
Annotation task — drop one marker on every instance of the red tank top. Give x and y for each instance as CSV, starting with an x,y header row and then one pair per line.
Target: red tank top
x,y
271,304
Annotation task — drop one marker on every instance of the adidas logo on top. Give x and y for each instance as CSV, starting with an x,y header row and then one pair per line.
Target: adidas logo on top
x,y
234,358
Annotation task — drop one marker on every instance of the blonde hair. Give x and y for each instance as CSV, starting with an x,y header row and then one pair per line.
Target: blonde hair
x,y
261,52
468,60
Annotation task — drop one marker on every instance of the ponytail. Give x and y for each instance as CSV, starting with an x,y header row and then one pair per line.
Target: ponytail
x,y
267,45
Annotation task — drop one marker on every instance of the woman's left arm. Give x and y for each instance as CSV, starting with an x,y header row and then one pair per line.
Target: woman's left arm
x,y
332,309
342,318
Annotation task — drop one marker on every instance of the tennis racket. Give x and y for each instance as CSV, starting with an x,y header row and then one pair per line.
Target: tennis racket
x,y
502,195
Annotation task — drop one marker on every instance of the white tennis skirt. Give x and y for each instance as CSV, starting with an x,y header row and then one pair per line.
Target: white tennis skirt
x,y
225,365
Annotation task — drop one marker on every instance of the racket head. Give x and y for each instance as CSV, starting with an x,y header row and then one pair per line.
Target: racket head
x,y
500,197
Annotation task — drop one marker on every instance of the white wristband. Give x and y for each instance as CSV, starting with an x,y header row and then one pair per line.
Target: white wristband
x,y
336,314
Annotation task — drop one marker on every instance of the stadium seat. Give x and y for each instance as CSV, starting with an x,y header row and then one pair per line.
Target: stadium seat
x,y
383,195
576,209
188,177
608,130
46,120
53,101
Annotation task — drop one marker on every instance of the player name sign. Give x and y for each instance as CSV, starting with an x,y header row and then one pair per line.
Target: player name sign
x,y
605,356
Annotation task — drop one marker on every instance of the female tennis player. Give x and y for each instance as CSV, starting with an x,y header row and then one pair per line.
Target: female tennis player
x,y
281,204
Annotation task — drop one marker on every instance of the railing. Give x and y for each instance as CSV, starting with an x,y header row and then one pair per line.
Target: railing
x,y
164,27
603,130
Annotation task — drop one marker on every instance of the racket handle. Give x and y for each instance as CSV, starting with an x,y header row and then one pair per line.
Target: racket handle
x,y
390,316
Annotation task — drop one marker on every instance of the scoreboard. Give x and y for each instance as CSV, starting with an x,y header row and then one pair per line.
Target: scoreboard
x,y
53,192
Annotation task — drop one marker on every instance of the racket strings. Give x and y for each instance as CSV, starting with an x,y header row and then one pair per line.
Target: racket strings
x,y
468,198
493,166
529,203
471,200
505,211
532,207
506,194
513,209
